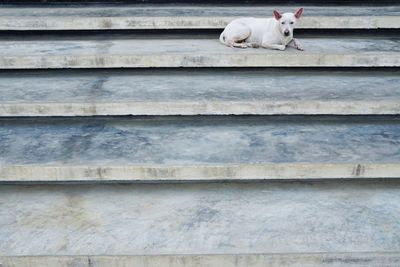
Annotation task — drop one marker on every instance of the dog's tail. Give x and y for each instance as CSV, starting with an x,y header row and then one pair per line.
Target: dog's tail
x,y
222,39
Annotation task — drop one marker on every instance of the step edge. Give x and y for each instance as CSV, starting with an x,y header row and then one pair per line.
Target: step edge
x,y
201,107
388,259
186,59
196,172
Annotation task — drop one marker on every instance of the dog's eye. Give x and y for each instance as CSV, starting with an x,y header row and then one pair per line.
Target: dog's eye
x,y
283,22
291,22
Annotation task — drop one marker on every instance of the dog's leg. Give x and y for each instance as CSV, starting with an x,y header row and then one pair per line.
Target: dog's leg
x,y
296,44
236,34
241,45
253,45
274,46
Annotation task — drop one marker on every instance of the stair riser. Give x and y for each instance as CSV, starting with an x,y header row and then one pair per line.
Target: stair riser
x,y
239,260
201,108
197,173
195,61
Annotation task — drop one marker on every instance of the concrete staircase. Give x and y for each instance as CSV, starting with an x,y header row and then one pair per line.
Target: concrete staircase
x,y
130,137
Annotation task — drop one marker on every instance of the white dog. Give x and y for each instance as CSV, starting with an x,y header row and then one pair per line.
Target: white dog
x,y
272,33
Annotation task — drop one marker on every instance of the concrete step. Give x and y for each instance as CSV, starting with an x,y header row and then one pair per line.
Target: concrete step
x,y
190,17
145,53
200,92
388,259
217,218
198,148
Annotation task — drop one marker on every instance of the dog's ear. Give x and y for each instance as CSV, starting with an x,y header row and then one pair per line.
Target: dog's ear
x,y
277,15
298,13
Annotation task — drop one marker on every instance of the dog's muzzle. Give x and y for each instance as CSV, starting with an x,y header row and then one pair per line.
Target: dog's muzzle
x,y
286,33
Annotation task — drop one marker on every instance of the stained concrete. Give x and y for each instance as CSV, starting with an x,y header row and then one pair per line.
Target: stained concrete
x,y
205,92
144,53
199,140
200,219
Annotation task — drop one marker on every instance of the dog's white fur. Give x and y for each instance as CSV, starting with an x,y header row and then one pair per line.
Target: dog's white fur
x,y
272,33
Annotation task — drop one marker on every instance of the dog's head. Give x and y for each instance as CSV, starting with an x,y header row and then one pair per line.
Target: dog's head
x,y
287,21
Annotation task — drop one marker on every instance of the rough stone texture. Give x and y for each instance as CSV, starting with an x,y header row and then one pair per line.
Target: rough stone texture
x,y
387,259
194,53
194,140
200,218
206,92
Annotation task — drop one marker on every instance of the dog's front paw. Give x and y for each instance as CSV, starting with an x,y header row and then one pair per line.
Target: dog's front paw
x,y
299,47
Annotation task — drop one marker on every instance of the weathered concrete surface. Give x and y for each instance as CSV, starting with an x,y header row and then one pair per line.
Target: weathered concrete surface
x,y
200,140
200,218
205,92
366,259
190,17
142,53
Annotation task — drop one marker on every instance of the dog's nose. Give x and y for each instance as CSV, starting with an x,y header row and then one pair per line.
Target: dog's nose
x,y
287,33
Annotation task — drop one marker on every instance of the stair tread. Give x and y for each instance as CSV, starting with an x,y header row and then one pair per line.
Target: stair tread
x,y
320,52
179,145
188,16
184,140
208,218
207,92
